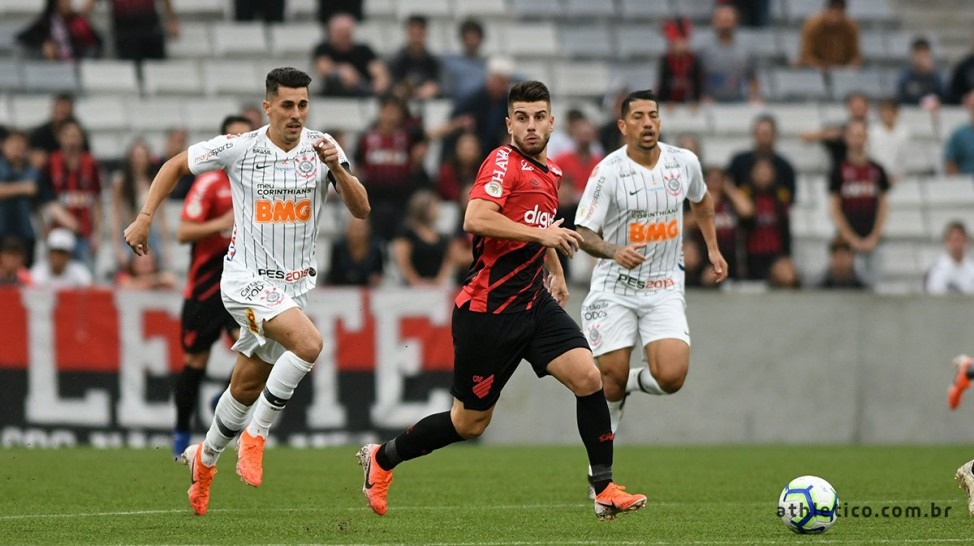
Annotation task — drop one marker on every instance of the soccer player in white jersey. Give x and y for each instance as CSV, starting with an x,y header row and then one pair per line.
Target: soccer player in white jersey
x,y
630,217
279,177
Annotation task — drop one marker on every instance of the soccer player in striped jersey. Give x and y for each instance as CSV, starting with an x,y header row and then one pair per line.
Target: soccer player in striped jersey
x,y
279,176
505,313
630,217
206,222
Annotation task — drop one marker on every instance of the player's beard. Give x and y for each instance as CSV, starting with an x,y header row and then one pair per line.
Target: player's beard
x,y
534,148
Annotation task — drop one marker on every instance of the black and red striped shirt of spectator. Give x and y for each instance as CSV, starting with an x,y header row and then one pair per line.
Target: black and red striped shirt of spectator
x,y
507,276
76,185
859,187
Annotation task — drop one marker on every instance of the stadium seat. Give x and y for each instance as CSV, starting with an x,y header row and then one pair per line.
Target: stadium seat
x,y
46,77
799,10
718,151
224,77
294,38
537,39
790,43
101,113
155,114
429,8
646,9
534,70
384,38
379,9
201,9
906,193
696,10
811,191
586,41
949,191
905,223
937,220
872,45
795,119
239,39
536,9
733,119
806,158
635,75
589,9
435,112
779,12
683,119
333,113
28,111
798,84
173,77
194,41
952,118
924,158
848,80
5,117
300,10
8,35
109,76
206,114
480,8
900,260
918,121
638,41
762,43
867,12
108,146
578,79
11,78
20,8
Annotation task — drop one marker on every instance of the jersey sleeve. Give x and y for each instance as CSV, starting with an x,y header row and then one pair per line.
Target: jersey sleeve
x,y
494,180
199,200
594,204
697,188
216,153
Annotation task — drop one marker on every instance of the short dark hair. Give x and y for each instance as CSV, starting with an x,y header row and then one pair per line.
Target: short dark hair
x,y
529,91
11,244
574,115
835,4
839,243
285,77
471,25
64,97
955,225
920,43
16,133
889,102
765,118
231,119
644,94
416,19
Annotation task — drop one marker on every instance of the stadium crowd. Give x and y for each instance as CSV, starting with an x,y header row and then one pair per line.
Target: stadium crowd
x,y
60,205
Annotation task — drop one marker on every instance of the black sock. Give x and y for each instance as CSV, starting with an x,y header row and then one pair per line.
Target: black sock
x,y
430,433
595,428
187,387
969,372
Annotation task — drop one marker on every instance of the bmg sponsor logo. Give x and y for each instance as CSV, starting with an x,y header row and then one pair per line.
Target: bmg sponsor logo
x,y
282,212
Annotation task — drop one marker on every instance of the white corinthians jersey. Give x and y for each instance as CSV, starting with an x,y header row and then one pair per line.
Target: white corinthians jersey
x,y
628,203
277,198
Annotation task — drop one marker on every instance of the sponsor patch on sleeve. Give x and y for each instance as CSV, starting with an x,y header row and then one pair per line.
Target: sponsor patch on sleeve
x,y
494,189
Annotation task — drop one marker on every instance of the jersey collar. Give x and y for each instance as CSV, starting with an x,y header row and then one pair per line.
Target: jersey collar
x,y
534,162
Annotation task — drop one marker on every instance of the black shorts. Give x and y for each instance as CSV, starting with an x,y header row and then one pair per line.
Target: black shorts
x,y
488,347
202,323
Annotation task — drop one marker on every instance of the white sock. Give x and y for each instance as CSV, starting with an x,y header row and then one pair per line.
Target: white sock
x,y
287,372
615,413
641,380
228,420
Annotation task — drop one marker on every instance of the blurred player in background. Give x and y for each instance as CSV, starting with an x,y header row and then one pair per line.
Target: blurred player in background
x,y
278,176
504,313
630,217
206,222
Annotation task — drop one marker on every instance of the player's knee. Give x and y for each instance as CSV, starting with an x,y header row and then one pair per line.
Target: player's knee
x,y
613,389
196,361
245,392
587,382
309,346
671,382
471,428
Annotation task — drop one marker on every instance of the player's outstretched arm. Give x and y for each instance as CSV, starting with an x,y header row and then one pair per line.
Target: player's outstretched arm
x,y
352,192
704,212
485,219
137,233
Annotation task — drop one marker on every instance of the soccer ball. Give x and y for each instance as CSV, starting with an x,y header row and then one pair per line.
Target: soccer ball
x,y
808,504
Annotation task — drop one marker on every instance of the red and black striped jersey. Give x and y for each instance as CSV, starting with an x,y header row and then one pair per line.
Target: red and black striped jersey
x,y
77,189
208,199
507,276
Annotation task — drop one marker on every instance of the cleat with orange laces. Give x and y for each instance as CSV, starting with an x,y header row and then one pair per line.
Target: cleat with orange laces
x,y
961,382
201,477
377,480
614,500
250,459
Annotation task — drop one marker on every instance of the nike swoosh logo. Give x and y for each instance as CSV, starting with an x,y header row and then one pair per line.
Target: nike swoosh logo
x,y
635,192
367,472
264,166
192,472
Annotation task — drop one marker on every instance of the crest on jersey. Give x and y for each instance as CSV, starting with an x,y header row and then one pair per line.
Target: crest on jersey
x,y
494,189
672,181
306,166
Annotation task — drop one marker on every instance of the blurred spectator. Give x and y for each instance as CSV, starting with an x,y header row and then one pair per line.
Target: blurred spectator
x,y
414,70
831,39
765,133
831,136
461,246
348,69
578,163
386,159
920,81
562,139
356,258
460,170
681,77
485,111
962,79
138,28
330,8
465,72
143,273
130,186
44,138
753,13
766,222
857,201
959,153
953,272
18,186
691,141
61,34
609,134
730,205
270,11
841,273
13,259
176,142
729,69
784,274
58,271
70,188
889,141
420,252
693,265
254,113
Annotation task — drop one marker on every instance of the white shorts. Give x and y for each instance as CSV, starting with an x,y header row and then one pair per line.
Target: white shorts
x,y
611,321
251,300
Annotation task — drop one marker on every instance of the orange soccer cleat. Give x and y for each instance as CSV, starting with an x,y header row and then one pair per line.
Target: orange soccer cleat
x,y
250,458
377,480
961,382
614,501
201,477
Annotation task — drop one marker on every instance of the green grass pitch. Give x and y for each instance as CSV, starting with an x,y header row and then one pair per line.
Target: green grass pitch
x,y
478,495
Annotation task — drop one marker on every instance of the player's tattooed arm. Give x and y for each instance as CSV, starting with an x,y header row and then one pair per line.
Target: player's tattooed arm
x,y
626,256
